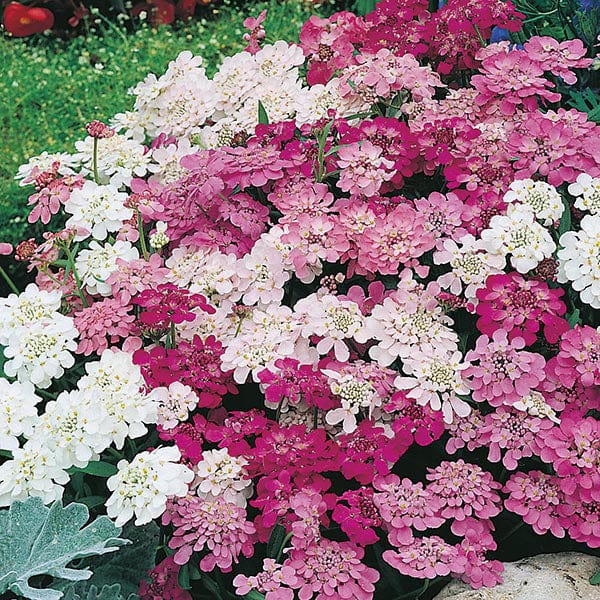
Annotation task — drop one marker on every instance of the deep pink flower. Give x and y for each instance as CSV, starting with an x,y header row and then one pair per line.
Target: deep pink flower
x,y
537,497
187,437
520,307
163,583
464,490
357,514
505,372
293,383
414,423
169,304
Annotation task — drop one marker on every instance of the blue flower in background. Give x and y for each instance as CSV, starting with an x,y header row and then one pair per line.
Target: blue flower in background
x,y
589,5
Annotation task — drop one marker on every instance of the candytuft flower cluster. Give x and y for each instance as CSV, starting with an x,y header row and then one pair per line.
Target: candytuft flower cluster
x,y
280,306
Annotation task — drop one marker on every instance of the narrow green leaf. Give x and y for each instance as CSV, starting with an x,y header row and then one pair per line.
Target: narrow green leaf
x,y
183,578
565,221
573,318
595,579
263,117
97,468
212,586
254,595
275,541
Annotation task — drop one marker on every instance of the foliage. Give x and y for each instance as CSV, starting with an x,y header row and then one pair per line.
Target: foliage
x,y
37,540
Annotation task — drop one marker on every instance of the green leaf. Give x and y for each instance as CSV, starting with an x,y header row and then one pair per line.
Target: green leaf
x,y
275,541
573,318
565,220
97,468
40,540
212,586
183,578
364,7
595,579
254,595
263,117
586,101
128,566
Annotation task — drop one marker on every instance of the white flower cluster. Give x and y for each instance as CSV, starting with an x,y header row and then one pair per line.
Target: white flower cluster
x,y
97,210
141,487
587,191
579,260
221,476
109,405
519,235
38,339
545,202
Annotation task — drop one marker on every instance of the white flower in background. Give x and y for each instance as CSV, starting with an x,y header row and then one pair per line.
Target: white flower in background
x,y
253,352
535,404
117,386
314,103
355,396
141,487
235,78
76,427
587,190
18,412
177,102
174,403
33,471
119,159
332,319
30,306
279,60
222,477
168,168
261,276
221,324
215,276
44,162
41,351
131,123
401,328
159,238
97,263
436,381
542,197
579,260
98,209
519,235
471,265
278,97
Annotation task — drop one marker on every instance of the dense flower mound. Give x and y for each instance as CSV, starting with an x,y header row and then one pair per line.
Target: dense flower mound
x,y
330,316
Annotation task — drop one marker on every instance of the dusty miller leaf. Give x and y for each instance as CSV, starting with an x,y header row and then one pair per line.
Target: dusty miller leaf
x,y
40,540
127,567
108,592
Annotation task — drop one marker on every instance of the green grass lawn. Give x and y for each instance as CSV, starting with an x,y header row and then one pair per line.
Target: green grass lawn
x,y
49,88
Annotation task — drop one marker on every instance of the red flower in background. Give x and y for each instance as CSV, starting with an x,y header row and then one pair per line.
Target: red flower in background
x,y
161,12
21,21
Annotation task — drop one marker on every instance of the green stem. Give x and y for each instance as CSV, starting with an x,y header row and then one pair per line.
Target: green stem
x,y
9,281
481,40
95,159
286,539
512,531
142,237
76,276
172,335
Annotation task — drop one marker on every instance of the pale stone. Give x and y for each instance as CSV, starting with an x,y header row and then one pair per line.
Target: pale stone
x,y
562,576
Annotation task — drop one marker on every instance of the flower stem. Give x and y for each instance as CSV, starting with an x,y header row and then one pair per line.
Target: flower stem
x,y
9,281
142,237
95,159
71,260
286,539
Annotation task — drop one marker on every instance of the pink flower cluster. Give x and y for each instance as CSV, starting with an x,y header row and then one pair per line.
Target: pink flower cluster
x,y
321,290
